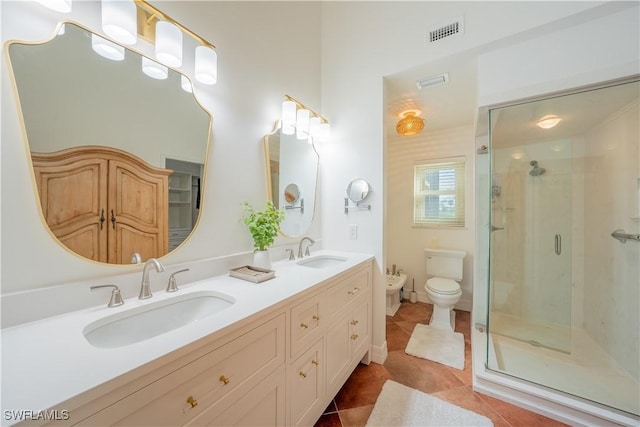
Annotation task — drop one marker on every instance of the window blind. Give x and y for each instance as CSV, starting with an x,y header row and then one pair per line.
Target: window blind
x,y
439,193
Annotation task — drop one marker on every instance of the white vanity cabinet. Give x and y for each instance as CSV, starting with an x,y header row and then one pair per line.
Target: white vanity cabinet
x,y
282,366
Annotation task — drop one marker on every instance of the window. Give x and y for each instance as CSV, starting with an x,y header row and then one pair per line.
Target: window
x,y
438,193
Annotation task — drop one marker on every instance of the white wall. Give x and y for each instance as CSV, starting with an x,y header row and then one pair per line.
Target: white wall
x,y
259,61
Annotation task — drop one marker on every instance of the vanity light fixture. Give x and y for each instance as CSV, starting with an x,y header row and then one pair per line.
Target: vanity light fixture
x,y
168,44
106,48
119,20
410,123
306,123
185,83
63,6
206,65
548,121
153,69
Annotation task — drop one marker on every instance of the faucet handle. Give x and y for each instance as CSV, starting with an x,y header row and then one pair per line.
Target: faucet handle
x,y
172,286
307,253
291,256
116,297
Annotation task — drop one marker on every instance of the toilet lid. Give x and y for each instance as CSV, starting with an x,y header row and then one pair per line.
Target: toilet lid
x,y
443,286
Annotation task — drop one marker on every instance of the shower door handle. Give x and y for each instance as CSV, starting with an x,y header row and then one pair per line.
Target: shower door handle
x,y
558,244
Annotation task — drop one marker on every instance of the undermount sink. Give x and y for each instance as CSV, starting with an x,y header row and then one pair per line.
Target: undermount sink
x,y
154,319
322,261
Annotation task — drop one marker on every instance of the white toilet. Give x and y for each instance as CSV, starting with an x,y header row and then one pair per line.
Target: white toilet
x,y
444,271
394,284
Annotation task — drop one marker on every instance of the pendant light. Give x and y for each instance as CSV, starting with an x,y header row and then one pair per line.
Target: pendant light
x,y
106,48
168,44
410,124
119,20
206,65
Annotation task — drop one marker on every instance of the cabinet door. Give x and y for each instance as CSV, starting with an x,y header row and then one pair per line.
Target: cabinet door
x,y
138,212
264,405
73,197
307,386
338,353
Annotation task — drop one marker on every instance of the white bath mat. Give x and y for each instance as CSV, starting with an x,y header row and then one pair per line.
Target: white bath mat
x,y
399,405
440,345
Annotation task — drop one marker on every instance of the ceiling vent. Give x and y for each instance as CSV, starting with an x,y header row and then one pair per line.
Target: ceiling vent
x,y
450,29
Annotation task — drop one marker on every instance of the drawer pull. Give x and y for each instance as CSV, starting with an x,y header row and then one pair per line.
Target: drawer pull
x,y
224,379
354,337
304,325
303,374
353,291
316,317
354,322
315,362
191,401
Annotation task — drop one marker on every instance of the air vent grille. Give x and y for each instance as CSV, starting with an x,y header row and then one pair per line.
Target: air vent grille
x,y
448,30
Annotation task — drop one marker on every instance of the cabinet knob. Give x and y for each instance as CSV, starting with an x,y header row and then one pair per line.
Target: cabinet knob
x,y
303,374
315,362
191,401
224,379
354,322
354,337
316,317
304,325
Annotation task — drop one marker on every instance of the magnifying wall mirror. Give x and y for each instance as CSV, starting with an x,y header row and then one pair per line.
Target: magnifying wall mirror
x,y
358,190
292,167
118,156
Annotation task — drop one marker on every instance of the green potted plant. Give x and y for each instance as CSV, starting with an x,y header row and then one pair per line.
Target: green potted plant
x,y
263,226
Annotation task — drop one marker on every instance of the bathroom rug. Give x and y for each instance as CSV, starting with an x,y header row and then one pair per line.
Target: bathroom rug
x,y
399,405
438,345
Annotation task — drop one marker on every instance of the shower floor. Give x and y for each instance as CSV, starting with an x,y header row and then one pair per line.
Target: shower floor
x,y
535,333
587,372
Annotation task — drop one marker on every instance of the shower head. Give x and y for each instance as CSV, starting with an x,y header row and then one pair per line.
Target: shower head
x,y
537,170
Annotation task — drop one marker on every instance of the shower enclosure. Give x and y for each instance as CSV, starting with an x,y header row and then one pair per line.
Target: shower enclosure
x,y
564,294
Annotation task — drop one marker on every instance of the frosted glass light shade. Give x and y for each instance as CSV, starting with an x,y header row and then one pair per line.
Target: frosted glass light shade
x,y
153,69
63,6
325,132
206,65
168,44
314,126
185,83
548,121
106,48
119,20
288,117
302,124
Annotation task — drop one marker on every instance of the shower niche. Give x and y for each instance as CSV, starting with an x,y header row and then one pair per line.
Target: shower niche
x,y
564,295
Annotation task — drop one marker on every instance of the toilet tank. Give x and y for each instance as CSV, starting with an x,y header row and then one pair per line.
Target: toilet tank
x,y
446,263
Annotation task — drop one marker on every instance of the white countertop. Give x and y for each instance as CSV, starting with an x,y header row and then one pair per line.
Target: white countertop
x,y
49,361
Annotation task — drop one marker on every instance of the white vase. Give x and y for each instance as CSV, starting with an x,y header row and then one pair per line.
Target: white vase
x,y
262,259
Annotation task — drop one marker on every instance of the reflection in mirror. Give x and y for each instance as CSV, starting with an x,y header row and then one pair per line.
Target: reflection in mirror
x,y
292,167
358,190
104,125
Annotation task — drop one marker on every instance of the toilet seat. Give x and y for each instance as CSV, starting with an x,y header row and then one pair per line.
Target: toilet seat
x,y
443,286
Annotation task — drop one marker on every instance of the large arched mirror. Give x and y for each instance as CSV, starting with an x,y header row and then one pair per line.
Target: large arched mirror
x,y
292,168
118,156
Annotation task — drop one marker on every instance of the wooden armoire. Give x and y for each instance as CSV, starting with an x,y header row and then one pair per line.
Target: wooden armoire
x,y
104,203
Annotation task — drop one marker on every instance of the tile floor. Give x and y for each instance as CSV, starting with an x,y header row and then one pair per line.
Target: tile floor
x,y
354,402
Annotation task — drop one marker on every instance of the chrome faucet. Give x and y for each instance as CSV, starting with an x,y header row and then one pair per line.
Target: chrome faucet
x,y
306,253
145,286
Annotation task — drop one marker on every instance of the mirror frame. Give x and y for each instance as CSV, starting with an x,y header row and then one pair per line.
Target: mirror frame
x,y
25,139
365,194
289,206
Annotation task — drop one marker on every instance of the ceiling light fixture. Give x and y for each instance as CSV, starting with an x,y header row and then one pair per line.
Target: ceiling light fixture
x,y
306,123
410,123
432,81
548,121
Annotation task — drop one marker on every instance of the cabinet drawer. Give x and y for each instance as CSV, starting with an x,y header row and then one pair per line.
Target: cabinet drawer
x,y
359,326
346,291
306,319
188,391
